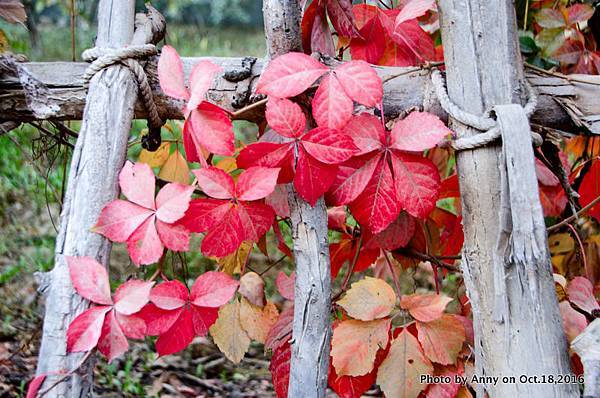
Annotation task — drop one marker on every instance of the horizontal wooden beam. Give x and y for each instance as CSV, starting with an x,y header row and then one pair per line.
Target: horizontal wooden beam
x,y
566,102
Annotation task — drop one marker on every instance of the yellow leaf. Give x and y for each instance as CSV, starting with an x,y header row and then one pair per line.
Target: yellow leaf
x,y
369,299
227,164
156,158
400,372
236,261
354,345
228,334
561,243
4,46
175,169
256,321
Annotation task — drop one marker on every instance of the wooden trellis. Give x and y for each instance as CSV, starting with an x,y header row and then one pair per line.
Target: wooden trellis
x,y
483,69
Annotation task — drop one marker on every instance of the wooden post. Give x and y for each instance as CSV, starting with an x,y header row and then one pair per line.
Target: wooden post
x,y
312,302
484,68
97,159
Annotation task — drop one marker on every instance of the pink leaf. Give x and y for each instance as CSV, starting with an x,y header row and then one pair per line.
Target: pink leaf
x,y
113,342
360,82
328,146
213,289
144,244
397,234
34,386
278,201
418,131
211,128
172,202
201,78
215,182
417,183
256,183
89,279
205,214
366,132
351,180
84,331
133,326
573,322
581,293
342,17
280,369
313,178
178,337
285,117
170,74
425,307
285,285
414,9
174,236
289,75
131,296
137,184
331,106
120,218
158,321
169,295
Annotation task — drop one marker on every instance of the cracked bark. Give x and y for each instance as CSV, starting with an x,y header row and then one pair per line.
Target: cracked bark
x,y
311,332
484,68
97,159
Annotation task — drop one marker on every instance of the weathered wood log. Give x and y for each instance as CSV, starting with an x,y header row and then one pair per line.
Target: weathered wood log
x,y
97,159
484,69
587,346
566,101
311,332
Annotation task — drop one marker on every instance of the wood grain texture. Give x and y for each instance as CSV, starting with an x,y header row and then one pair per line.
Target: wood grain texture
x,y
311,334
97,159
562,99
484,69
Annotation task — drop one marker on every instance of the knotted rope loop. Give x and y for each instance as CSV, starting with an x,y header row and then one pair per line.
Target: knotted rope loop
x,y
489,126
129,56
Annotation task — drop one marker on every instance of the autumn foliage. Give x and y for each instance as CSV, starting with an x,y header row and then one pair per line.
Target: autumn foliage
x,y
393,198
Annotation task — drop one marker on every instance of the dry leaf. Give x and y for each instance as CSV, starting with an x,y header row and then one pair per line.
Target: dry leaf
x,y
442,339
252,287
228,334
425,307
236,261
12,11
354,345
399,374
175,169
369,299
156,158
256,321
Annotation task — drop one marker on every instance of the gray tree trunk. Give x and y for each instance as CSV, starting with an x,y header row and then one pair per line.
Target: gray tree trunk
x,y
312,300
97,159
484,68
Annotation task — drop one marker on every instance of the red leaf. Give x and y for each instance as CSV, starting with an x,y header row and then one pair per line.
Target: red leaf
x,y
158,321
280,369
289,75
285,117
169,295
321,39
265,154
377,206
256,219
278,201
256,183
328,146
205,214
131,296
215,182
415,44
211,128
417,183
581,293
203,318
553,200
144,244
84,331
170,74
579,13
113,342
225,238
213,289
414,9
281,332
418,131
285,285
331,106
201,78
89,279
178,337
137,184
350,386
133,326
366,132
590,189
370,46
396,235
313,178
352,179
360,82
172,202
34,386
342,17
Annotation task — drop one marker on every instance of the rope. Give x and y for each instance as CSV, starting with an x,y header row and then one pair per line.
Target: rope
x,y
102,58
491,131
